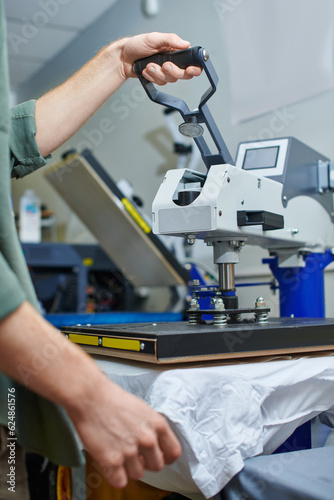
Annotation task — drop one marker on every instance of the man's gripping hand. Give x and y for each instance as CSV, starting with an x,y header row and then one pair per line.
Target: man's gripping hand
x,y
149,44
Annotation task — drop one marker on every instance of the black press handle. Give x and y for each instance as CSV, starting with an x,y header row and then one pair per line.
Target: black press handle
x,y
182,59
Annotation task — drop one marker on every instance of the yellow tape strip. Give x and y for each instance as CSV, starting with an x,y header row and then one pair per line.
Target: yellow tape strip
x,y
136,215
84,339
126,344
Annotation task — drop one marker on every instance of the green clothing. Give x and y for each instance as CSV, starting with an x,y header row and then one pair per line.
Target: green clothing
x,y
41,426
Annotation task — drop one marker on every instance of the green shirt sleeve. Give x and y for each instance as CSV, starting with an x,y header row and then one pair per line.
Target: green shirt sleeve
x,y
11,293
25,155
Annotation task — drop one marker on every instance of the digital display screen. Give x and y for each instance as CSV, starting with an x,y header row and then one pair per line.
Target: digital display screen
x,y
260,158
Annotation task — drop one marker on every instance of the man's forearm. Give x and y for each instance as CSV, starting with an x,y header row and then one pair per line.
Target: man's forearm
x,y
34,353
62,111
122,433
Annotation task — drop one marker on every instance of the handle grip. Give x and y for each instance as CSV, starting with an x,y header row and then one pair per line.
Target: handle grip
x,y
194,56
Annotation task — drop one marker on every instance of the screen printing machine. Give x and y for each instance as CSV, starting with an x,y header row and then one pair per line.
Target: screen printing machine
x,y
206,374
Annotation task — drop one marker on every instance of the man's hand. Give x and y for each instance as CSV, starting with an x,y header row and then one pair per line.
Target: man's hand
x,y
124,435
149,44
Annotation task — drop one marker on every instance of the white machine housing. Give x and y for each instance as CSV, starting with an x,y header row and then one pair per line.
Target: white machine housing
x,y
212,209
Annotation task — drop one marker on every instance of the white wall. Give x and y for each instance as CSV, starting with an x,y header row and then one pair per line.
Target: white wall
x,y
139,146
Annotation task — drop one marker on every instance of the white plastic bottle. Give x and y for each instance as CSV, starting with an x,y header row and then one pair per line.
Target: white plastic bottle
x,y
30,217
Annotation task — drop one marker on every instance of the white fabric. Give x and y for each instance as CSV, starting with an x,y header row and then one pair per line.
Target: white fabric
x,y
225,414
278,52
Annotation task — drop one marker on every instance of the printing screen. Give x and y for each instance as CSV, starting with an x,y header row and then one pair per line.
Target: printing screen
x,y
260,158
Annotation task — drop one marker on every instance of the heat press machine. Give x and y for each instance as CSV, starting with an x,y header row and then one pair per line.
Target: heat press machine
x,y
277,195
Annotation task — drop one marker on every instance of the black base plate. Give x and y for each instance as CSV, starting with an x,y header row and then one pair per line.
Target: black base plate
x,y
181,342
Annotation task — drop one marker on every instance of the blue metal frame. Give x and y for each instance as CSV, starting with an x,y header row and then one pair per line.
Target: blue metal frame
x,y
302,289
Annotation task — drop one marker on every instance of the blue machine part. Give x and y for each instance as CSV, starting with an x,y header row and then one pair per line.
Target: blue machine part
x,y
301,289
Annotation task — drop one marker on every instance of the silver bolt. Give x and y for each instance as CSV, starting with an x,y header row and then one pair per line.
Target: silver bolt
x,y
260,317
100,341
219,318
218,303
194,305
142,346
190,240
260,302
205,55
